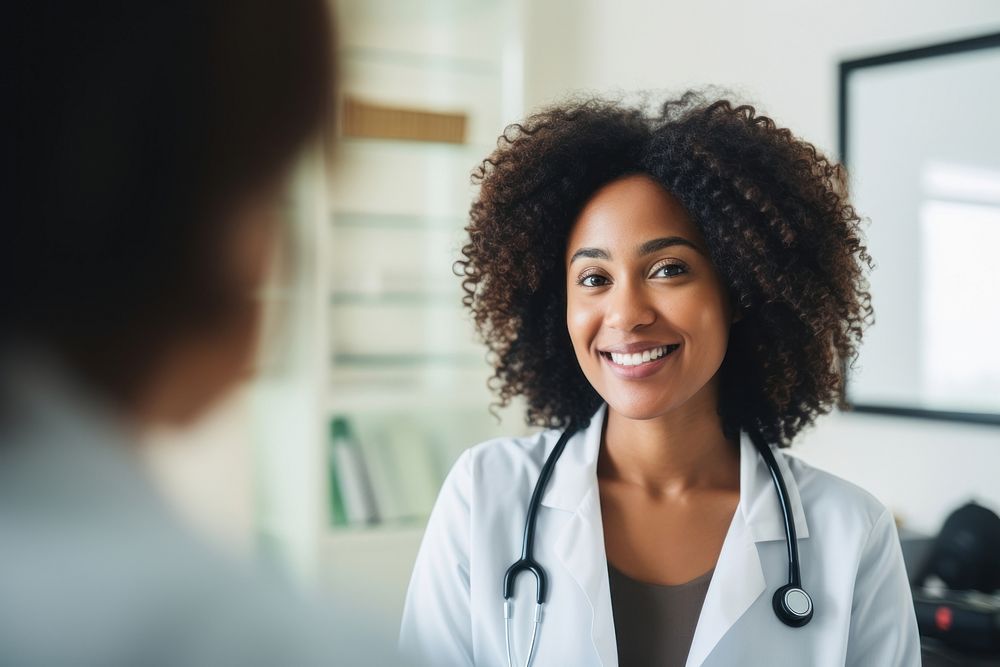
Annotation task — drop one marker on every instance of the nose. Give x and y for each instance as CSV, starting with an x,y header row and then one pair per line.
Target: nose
x,y
628,308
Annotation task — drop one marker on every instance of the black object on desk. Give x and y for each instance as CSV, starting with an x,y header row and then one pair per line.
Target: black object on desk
x,y
963,614
968,621
966,554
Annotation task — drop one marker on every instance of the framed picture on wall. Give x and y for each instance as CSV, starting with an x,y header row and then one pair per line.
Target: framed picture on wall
x,y
920,135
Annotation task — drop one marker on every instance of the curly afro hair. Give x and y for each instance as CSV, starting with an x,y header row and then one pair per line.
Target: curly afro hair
x,y
774,213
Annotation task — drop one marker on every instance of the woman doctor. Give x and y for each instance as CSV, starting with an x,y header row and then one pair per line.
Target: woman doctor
x,y
678,292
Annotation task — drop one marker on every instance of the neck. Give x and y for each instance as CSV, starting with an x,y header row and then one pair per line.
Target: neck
x,y
679,451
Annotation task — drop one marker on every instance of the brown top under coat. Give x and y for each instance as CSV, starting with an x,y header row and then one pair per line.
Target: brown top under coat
x,y
655,624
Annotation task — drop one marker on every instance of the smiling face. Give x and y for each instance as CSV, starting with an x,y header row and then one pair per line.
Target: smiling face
x,y
647,312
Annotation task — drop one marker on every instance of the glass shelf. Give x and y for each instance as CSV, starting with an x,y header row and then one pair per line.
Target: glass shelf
x,y
475,400
432,11
411,526
393,221
339,298
366,360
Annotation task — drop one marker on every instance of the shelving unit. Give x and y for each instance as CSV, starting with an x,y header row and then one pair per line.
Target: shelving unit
x,y
397,353
371,310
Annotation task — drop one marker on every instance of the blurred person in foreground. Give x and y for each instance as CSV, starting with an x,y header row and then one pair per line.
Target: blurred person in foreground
x,y
150,147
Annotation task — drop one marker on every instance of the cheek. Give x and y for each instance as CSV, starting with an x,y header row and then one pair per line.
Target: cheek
x,y
582,324
713,325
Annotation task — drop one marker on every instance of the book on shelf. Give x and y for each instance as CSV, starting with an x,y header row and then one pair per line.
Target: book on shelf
x,y
351,495
389,475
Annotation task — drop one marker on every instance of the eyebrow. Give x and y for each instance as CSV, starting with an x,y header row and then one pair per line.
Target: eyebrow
x,y
647,248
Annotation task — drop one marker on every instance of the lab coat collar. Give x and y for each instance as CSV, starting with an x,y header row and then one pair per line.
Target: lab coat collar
x,y
576,474
759,501
738,579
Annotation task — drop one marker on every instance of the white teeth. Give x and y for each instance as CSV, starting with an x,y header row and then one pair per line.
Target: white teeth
x,y
639,357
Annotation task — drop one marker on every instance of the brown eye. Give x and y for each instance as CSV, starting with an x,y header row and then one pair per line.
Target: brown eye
x,y
593,280
669,270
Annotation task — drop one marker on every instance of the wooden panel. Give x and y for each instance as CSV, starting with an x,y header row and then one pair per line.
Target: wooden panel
x,y
364,119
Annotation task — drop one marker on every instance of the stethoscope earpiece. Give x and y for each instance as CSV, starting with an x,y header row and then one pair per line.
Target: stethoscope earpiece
x,y
792,605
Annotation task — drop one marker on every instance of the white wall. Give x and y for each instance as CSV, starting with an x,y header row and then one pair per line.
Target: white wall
x,y
782,55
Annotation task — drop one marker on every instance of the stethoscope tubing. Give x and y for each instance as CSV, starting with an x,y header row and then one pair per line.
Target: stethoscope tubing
x,y
527,560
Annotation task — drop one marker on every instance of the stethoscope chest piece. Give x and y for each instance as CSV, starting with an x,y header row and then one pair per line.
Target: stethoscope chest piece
x,y
792,605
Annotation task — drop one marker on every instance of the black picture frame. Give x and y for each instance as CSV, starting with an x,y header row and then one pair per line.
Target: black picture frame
x,y
846,69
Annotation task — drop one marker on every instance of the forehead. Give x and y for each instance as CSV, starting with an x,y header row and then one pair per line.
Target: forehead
x,y
628,211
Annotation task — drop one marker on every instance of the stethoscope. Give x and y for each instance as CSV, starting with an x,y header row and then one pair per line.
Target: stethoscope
x,y
792,605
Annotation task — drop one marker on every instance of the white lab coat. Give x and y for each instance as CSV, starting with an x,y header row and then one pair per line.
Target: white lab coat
x,y
851,561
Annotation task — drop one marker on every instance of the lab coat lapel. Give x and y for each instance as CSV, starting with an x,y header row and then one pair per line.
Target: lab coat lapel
x,y
580,545
580,549
737,582
739,578
758,500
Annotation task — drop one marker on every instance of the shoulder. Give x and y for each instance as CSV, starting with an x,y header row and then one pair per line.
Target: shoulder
x,y
511,458
503,463
832,500
513,453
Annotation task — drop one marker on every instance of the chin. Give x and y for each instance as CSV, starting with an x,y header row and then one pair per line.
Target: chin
x,y
640,408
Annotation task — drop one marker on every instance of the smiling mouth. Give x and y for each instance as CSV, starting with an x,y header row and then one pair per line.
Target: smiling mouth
x,y
639,358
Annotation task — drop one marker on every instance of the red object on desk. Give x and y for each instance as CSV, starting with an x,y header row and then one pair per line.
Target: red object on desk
x,y
943,618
